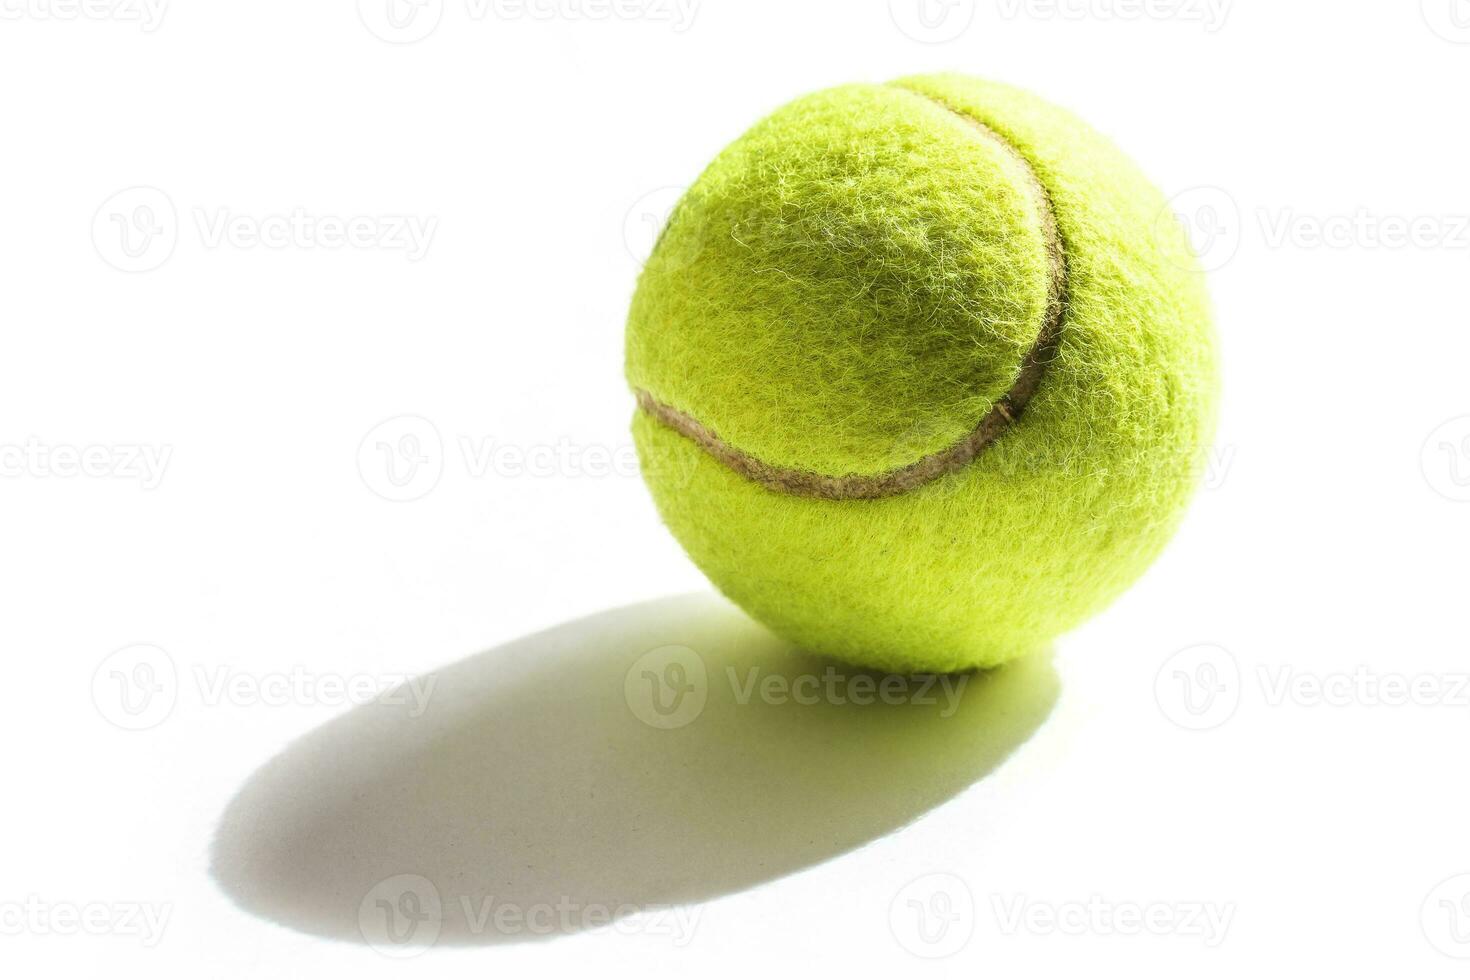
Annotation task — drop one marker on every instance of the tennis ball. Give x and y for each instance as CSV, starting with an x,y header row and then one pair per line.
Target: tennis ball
x,y
923,379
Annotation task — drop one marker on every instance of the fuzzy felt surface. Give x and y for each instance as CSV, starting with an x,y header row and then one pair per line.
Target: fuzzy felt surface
x,y
853,284
883,266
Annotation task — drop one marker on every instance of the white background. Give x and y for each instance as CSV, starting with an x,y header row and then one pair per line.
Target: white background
x,y
1299,796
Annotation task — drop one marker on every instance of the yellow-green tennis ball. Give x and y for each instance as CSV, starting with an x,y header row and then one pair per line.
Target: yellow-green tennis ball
x,y
923,380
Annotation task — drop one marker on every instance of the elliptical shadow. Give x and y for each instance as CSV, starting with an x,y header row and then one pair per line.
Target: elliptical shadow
x,y
588,771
